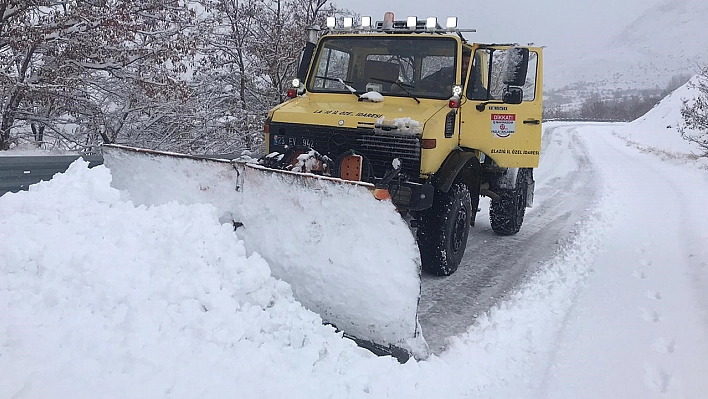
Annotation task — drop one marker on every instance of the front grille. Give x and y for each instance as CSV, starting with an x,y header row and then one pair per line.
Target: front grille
x,y
378,149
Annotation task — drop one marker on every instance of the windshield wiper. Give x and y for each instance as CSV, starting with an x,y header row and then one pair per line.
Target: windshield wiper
x,y
346,83
399,84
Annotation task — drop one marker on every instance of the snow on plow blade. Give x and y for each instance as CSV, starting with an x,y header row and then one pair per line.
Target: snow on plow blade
x,y
348,257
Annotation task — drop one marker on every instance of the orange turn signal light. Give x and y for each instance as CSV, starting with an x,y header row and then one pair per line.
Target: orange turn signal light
x,y
382,194
428,144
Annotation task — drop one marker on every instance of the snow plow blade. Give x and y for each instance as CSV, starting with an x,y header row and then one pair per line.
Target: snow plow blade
x,y
347,256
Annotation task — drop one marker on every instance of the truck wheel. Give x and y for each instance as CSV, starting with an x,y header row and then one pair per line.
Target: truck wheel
x,y
507,214
443,230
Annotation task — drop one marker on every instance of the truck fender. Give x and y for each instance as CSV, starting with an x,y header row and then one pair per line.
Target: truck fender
x,y
507,181
459,165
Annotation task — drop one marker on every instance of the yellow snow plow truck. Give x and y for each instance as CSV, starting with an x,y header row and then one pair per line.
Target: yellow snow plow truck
x,y
404,124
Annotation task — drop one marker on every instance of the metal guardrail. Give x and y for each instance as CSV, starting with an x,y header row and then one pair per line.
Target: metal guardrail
x,y
19,172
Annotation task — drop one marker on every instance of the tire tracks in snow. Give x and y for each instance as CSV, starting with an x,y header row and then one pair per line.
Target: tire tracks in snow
x,y
495,266
660,215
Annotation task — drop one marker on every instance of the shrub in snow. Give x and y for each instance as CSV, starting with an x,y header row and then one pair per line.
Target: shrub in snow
x,y
695,114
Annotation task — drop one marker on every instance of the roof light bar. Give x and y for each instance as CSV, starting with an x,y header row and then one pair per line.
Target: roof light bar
x,y
412,23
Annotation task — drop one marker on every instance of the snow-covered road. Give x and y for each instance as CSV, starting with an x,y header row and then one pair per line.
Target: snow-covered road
x,y
640,323
567,186
608,297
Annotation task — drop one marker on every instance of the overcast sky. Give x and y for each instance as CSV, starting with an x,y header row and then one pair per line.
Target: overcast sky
x,y
561,25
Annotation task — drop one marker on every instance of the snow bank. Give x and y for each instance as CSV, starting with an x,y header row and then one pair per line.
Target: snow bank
x,y
658,129
103,298
349,257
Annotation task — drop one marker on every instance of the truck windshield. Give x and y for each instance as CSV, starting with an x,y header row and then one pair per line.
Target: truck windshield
x,y
423,66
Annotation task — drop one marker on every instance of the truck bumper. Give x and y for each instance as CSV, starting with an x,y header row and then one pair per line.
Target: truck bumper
x,y
411,196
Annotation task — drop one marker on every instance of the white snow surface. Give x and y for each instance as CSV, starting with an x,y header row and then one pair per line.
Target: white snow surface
x,y
406,125
104,298
373,96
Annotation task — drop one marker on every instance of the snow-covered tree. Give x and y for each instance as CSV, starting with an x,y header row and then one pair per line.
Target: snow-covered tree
x,y
248,56
194,76
71,66
695,114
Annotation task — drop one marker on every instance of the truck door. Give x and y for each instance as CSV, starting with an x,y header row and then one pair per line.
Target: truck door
x,y
502,106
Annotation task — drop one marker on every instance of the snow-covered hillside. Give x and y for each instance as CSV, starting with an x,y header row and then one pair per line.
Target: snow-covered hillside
x,y
658,129
666,40
101,298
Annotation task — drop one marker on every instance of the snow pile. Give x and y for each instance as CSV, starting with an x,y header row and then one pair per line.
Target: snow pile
x,y
373,96
349,257
404,125
101,298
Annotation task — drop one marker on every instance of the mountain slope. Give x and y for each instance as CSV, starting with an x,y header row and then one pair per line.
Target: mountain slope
x,y
668,39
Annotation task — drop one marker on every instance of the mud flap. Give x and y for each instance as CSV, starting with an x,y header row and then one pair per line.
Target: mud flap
x,y
347,256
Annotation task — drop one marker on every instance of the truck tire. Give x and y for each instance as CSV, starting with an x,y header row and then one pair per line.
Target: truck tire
x,y
443,230
507,214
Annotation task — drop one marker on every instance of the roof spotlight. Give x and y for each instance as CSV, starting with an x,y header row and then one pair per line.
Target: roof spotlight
x,y
412,23
431,23
331,22
451,23
348,22
366,22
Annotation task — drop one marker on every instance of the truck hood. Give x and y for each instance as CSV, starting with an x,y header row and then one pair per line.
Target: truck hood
x,y
344,110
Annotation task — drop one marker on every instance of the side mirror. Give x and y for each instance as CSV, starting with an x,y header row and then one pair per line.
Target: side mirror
x,y
513,95
517,65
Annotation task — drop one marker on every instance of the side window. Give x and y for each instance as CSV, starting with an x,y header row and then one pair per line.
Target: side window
x,y
466,55
490,70
476,87
530,85
333,65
